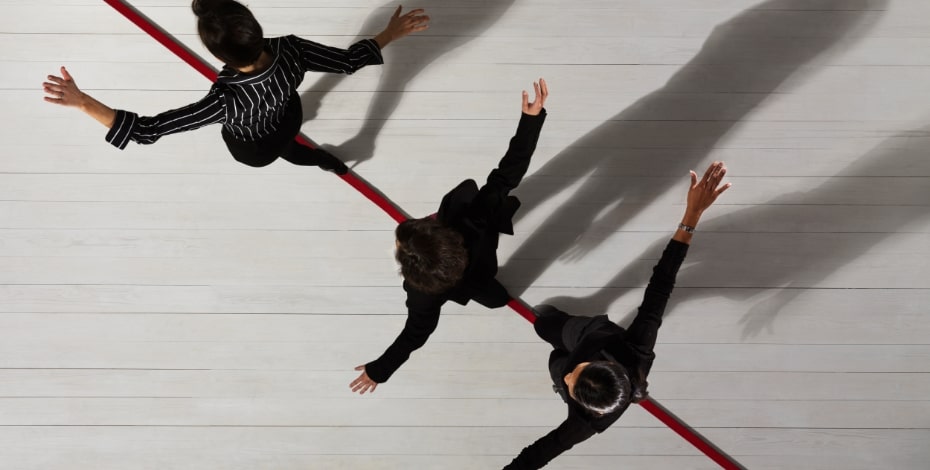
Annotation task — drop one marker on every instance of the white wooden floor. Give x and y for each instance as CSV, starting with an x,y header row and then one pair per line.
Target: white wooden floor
x,y
167,307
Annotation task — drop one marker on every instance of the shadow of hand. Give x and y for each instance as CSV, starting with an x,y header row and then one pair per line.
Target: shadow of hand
x,y
579,249
762,315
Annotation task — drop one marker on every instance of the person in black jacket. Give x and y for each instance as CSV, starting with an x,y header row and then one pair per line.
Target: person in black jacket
x,y
453,255
599,368
255,95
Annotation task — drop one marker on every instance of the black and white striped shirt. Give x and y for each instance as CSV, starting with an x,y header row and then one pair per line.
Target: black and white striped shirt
x,y
249,106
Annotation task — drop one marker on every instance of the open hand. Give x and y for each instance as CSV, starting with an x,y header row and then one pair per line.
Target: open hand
x,y
542,92
703,193
363,383
401,25
62,90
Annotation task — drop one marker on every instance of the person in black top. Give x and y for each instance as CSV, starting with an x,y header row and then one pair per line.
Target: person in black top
x,y
453,255
599,368
255,96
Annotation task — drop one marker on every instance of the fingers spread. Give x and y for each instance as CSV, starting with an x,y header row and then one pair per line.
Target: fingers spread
x,y
709,172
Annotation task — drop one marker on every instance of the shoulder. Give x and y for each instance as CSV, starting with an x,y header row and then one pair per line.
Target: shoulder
x,y
455,202
419,300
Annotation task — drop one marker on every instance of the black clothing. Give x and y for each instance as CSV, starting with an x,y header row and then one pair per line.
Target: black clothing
x,y
480,215
251,108
281,143
584,339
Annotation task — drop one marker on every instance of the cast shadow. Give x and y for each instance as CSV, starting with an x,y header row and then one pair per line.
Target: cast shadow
x,y
450,27
794,241
671,130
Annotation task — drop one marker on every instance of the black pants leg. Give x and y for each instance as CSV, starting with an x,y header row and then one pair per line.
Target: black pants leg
x,y
549,325
280,143
492,295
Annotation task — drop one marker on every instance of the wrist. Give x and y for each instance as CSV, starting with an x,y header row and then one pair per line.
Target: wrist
x,y
691,217
383,39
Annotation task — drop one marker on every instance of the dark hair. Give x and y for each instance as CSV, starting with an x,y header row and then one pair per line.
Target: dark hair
x,y
229,30
602,387
432,256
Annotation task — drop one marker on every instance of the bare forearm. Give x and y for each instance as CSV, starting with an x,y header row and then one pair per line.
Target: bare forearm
x,y
383,39
97,110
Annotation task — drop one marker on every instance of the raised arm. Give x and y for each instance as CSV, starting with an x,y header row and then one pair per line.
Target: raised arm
x,y
422,318
643,332
513,166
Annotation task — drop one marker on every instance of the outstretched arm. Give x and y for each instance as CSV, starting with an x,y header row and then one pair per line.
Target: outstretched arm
x,y
318,57
124,125
64,91
422,318
536,455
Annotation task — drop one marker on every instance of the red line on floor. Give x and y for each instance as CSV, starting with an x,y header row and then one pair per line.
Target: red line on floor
x,y
396,213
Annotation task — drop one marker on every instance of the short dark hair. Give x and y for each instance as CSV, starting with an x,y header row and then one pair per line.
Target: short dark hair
x,y
432,256
230,31
602,387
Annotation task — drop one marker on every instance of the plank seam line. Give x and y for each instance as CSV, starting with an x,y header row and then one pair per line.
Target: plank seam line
x,y
375,196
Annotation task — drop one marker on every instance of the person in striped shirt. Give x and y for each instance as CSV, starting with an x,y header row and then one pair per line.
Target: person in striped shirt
x,y
255,96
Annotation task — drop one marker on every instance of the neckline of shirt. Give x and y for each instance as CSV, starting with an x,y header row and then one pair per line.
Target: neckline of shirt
x,y
239,78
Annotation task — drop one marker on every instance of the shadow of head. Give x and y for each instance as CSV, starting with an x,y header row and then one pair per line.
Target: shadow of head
x,y
634,158
767,255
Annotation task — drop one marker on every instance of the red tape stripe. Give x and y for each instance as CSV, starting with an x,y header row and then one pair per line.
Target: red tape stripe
x,y
690,435
164,38
396,213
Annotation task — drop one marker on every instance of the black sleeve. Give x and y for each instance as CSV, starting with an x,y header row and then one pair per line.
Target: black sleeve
x,y
642,333
317,57
422,318
512,167
147,129
572,431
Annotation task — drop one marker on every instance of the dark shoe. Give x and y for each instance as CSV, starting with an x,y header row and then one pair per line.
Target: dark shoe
x,y
545,310
329,162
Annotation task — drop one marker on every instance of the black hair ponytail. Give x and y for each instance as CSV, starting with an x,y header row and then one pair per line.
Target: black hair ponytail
x,y
229,31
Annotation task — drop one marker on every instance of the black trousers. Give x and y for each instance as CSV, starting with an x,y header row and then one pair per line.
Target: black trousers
x,y
280,143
